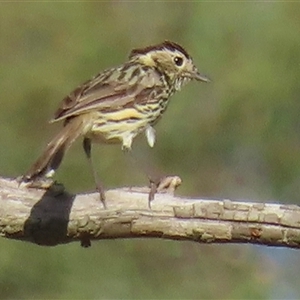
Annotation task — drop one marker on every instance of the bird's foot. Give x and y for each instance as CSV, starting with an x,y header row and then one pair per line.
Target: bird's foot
x,y
38,183
166,184
43,183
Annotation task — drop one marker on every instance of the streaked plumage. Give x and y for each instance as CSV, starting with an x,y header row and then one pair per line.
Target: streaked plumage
x,y
119,103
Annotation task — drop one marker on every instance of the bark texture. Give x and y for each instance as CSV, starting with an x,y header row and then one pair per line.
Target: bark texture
x,y
55,217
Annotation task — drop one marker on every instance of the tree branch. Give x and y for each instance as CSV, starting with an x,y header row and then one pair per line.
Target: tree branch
x,y
56,217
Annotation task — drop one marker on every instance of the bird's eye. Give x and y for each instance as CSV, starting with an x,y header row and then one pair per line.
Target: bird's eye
x,y
178,61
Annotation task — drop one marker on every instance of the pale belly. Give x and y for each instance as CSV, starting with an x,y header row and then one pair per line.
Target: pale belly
x,y
115,128
124,125
113,133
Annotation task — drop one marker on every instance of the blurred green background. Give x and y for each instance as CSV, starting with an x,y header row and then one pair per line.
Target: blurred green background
x,y
237,137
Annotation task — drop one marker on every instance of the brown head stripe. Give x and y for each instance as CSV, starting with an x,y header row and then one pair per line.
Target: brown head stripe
x,y
165,45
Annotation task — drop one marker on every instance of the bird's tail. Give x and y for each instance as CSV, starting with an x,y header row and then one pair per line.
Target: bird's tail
x,y
52,156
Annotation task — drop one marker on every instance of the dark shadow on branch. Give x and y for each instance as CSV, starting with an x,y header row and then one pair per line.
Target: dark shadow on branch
x,y
48,221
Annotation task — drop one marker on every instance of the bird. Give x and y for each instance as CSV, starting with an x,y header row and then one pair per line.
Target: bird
x,y
116,105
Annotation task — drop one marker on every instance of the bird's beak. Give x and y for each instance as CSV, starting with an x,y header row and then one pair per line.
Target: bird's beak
x,y
200,77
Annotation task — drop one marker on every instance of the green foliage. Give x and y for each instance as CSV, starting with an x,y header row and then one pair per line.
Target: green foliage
x,y
237,137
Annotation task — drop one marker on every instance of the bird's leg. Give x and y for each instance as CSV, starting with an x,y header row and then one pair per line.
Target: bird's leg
x,y
158,183
153,186
87,146
167,184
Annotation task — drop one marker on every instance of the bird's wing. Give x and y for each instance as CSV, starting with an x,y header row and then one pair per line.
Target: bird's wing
x,y
110,91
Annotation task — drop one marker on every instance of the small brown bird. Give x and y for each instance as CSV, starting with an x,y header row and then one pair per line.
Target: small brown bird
x,y
118,104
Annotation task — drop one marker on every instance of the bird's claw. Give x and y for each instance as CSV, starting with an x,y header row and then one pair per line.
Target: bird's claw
x,y
166,184
38,183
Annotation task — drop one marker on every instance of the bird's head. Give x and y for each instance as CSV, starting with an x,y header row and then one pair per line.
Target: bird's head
x,y
170,59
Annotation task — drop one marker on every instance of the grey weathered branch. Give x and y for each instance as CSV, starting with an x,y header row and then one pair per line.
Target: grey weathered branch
x,y
55,217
